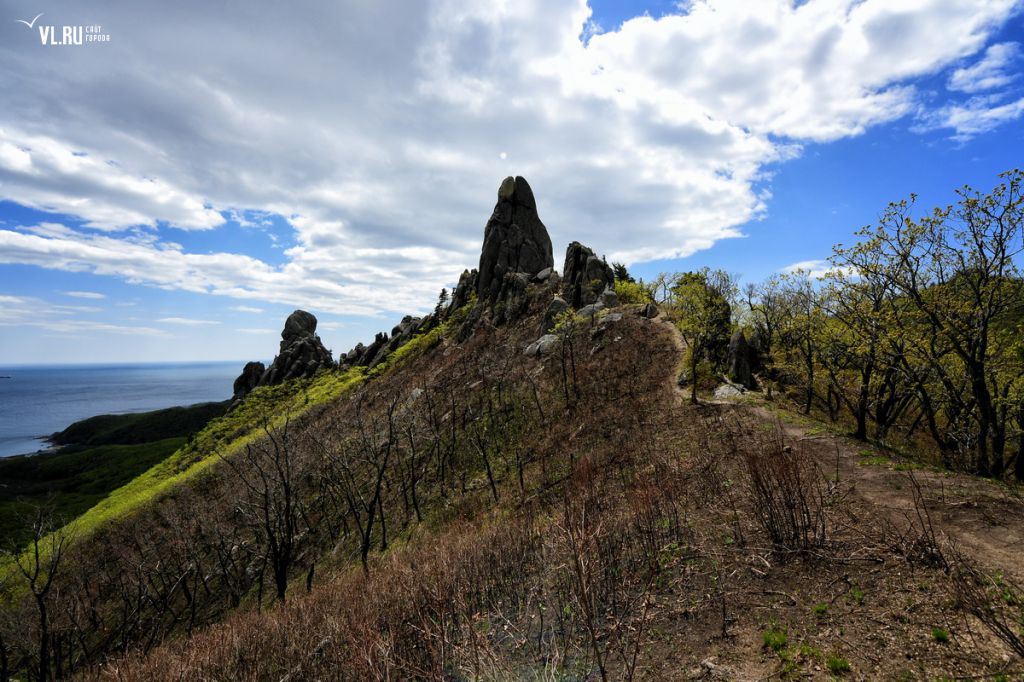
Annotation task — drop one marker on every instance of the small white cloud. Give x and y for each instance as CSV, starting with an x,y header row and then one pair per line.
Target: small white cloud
x,y
73,309
25,311
185,321
990,72
246,309
812,268
971,118
79,326
85,294
249,330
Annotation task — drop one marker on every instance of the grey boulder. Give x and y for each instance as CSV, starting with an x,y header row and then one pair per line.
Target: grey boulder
x,y
545,345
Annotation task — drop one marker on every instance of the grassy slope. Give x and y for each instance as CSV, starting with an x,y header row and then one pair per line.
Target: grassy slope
x,y
266,406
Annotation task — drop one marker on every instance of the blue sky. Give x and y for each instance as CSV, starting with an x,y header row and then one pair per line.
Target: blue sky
x,y
174,193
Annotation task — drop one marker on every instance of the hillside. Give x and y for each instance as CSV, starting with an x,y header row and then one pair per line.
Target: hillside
x,y
517,487
95,457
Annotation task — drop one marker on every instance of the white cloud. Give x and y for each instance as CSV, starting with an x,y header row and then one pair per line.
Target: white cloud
x,y
247,330
85,294
991,71
817,268
186,321
974,117
72,309
30,312
246,309
811,268
50,175
377,130
312,279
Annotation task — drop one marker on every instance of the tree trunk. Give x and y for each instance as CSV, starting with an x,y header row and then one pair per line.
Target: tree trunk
x,y
44,641
694,359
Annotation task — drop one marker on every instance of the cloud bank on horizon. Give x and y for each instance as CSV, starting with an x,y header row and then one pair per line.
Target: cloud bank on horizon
x,y
378,132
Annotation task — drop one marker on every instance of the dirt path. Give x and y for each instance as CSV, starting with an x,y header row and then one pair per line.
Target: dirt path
x,y
680,346
984,518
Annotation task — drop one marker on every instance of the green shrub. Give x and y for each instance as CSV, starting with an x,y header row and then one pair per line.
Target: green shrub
x,y
837,665
633,292
775,638
940,635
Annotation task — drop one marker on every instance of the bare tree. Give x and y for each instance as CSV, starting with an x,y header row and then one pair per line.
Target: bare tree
x,y
272,505
355,472
39,566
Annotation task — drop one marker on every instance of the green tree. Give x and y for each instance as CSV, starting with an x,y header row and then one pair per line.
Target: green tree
x,y
701,300
802,329
621,273
956,269
442,303
768,307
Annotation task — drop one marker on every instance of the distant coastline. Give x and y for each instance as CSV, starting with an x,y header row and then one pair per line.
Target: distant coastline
x,y
39,401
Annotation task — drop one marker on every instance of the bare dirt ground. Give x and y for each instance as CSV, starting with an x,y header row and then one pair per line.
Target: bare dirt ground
x,y
984,517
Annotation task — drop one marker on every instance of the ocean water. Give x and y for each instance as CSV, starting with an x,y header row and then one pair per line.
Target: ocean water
x,y
40,400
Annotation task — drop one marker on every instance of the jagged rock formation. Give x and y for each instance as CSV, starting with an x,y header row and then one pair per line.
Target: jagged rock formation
x,y
516,249
302,353
400,333
741,359
248,379
362,356
384,345
516,253
585,277
464,289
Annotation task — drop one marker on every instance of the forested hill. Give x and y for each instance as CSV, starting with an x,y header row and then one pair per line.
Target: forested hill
x,y
579,475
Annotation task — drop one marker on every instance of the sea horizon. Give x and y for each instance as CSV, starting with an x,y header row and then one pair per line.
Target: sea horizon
x,y
38,400
114,365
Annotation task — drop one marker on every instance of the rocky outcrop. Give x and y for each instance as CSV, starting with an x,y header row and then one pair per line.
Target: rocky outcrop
x,y
516,247
248,379
741,359
585,277
463,290
725,391
362,356
384,345
302,354
400,333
